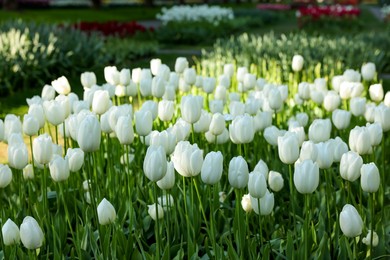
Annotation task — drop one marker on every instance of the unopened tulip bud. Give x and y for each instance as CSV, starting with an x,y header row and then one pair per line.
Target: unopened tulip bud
x,y
11,233
306,176
155,209
88,79
376,92
369,179
288,147
42,148
297,63
368,71
351,223
106,212
212,168
31,233
155,163
238,172
61,85
275,181
246,203
257,184
367,240
168,181
28,172
350,166
267,203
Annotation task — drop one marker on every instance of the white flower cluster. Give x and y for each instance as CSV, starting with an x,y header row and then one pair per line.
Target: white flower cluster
x,y
211,14
385,10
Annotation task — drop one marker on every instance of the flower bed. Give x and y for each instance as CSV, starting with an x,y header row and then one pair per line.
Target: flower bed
x,y
333,11
112,28
172,163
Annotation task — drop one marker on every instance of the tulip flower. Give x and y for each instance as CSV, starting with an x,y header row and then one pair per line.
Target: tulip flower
x,y
89,134
203,124
242,130
274,98
28,172
181,64
30,125
61,85
257,184
31,233
143,122
304,90
339,148
54,113
367,240
297,63
217,124
359,140
17,155
155,163
165,139
267,203
376,92
352,75
368,71
309,150
246,203
12,125
111,75
168,181
191,107
48,92
42,148
238,172
262,120
241,72
341,118
187,159
5,175
306,176
228,69
75,158
357,106
106,212
387,99
101,102
189,75
64,103
212,168
154,209
88,79
155,65
150,106
325,155
209,84
166,109
288,147
275,181
158,87
319,130
369,179
10,231
350,166
351,223
236,108
59,168
331,101
382,116
271,135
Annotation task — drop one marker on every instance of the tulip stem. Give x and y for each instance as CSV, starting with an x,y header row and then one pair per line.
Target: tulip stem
x,y
328,199
56,128
261,228
372,208
292,197
239,221
168,223
44,188
189,242
32,153
157,222
65,139
307,212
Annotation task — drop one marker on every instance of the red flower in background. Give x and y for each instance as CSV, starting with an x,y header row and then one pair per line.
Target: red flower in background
x,y
112,28
315,12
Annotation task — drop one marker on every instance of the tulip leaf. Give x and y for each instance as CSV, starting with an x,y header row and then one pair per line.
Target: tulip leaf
x,y
290,250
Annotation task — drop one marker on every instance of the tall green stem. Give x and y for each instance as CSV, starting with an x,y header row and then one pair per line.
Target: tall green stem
x,y
189,242
372,224
158,239
307,218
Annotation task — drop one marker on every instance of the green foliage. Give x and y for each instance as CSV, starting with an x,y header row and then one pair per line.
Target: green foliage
x,y
33,54
324,55
122,52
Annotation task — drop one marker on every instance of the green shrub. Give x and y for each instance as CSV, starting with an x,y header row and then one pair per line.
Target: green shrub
x,y
324,55
34,54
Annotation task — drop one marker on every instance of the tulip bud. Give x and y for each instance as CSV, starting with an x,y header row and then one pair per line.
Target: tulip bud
x,y
48,92
271,135
351,223
12,125
88,79
357,106
242,129
54,112
106,212
376,92
325,154
111,75
5,175
209,85
202,125
331,101
89,134
262,120
359,140
352,75
382,116
189,75
75,158
143,122
158,87
59,168
17,155
101,102
275,181
30,125
10,231
217,124
336,82
341,118
350,166
267,203
246,203
306,176
187,159
28,172
304,90
238,172
181,64
155,65
42,149
288,147
369,179
319,130
212,168
275,99
165,139
257,184
368,71
31,233
61,85
168,181
154,209
339,148
191,107
297,63
367,240
376,133
249,81
155,163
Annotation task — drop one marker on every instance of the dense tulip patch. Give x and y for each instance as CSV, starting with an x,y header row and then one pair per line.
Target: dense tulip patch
x,y
157,163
